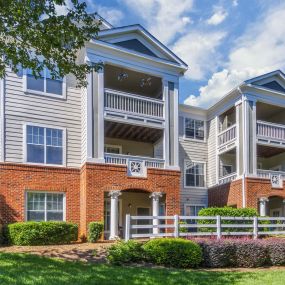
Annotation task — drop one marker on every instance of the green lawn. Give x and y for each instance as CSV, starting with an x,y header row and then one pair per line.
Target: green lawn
x,y
29,269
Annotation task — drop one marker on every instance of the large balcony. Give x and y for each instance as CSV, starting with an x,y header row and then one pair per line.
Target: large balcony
x,y
270,133
227,138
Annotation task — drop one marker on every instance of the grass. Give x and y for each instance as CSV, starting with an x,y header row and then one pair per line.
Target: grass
x,y
29,269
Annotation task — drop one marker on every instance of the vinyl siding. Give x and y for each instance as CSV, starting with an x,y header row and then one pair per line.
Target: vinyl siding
x,y
212,162
21,108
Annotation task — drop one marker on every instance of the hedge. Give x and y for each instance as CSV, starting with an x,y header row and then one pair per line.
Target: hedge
x,y
95,230
41,233
174,252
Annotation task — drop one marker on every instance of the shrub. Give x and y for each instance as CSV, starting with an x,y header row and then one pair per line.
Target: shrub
x,y
95,230
182,229
276,251
125,252
174,252
41,233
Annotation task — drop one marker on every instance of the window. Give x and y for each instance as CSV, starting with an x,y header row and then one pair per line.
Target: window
x,y
194,174
44,145
194,129
43,206
116,149
227,170
45,84
192,210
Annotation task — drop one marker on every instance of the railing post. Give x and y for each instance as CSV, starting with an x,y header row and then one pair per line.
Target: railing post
x,y
219,227
255,227
176,226
128,227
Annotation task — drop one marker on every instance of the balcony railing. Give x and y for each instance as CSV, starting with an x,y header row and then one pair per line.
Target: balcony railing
x,y
227,135
266,174
134,104
271,130
227,178
136,165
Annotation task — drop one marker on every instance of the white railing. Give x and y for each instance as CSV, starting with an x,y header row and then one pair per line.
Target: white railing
x,y
227,135
189,226
227,178
137,165
266,174
134,104
270,130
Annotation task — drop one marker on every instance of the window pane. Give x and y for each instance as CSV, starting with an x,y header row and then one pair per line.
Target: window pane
x,y
35,153
54,155
190,181
54,216
199,130
54,86
35,84
35,215
189,128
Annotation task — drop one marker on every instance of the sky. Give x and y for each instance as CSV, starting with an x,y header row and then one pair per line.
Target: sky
x,y
224,42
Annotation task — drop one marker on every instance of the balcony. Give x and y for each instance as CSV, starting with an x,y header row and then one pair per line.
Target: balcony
x,y
226,138
127,106
228,178
136,165
276,177
270,133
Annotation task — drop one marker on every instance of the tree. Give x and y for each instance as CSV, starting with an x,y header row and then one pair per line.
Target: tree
x,y
34,36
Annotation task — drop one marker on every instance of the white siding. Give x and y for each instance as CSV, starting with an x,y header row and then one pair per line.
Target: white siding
x,y
21,108
212,161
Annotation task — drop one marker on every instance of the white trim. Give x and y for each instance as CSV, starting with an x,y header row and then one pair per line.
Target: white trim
x,y
194,139
43,93
2,119
184,174
64,144
44,192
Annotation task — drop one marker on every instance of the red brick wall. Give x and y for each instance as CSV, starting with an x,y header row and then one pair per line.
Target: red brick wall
x,y
226,195
15,180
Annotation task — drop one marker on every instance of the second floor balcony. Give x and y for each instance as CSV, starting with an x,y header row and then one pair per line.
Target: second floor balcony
x,y
270,133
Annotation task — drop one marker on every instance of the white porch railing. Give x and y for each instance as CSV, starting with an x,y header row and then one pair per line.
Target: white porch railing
x,y
227,135
227,178
270,130
137,165
216,226
134,104
266,174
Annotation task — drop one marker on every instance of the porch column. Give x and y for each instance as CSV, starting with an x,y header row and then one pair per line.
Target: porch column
x,y
155,210
262,206
114,219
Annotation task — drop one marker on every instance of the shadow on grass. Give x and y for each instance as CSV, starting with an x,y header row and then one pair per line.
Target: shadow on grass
x,y
35,270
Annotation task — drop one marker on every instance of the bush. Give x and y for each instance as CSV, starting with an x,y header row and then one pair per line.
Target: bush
x,y
95,230
125,252
41,233
276,251
174,252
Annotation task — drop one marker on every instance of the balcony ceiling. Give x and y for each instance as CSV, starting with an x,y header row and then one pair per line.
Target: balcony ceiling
x,y
132,132
267,151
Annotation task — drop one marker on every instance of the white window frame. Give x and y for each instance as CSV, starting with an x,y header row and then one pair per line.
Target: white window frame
x,y
192,205
25,152
45,192
43,93
114,146
184,174
184,130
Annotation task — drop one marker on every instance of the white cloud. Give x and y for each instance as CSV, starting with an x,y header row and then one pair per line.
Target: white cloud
x,y
63,9
259,50
220,14
112,15
235,3
163,18
199,49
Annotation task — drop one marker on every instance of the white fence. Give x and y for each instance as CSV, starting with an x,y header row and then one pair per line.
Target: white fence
x,y
189,226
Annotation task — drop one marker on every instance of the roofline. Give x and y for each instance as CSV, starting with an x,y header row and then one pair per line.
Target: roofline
x,y
277,71
138,27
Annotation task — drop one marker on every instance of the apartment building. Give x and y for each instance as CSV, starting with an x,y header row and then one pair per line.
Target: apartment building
x,y
123,145
236,149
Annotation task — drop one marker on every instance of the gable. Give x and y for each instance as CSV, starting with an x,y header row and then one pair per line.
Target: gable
x,y
136,45
274,85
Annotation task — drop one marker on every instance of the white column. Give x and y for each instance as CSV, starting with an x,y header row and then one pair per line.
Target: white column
x,y
254,147
114,211
155,209
175,110
262,206
166,126
90,117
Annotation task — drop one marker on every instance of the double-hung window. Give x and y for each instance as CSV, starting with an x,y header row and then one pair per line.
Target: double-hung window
x,y
42,206
45,84
194,174
194,129
44,145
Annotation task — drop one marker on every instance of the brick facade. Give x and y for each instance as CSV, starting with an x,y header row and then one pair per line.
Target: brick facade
x,y
84,188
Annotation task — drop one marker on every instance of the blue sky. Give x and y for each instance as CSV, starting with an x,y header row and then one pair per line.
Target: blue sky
x,y
224,41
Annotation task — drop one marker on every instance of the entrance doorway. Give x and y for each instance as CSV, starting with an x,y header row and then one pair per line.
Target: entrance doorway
x,y
143,212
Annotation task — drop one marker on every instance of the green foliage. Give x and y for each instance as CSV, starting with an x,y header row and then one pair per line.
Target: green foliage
x,y
174,252
31,29
95,230
181,229
41,233
125,252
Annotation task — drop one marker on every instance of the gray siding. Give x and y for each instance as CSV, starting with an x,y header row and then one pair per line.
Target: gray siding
x,y
212,140
21,108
